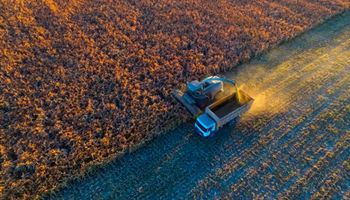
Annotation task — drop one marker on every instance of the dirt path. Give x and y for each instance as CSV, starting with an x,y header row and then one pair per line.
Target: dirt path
x,y
295,141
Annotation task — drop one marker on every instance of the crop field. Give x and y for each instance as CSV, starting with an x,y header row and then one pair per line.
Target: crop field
x,y
82,82
294,143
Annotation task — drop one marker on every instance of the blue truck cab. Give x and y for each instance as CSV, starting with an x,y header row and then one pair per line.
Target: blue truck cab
x,y
205,126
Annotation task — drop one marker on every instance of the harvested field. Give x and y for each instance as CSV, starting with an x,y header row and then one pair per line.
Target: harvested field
x,y
296,146
83,81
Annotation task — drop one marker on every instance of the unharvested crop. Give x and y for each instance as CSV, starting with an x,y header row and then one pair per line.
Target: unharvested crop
x,y
82,81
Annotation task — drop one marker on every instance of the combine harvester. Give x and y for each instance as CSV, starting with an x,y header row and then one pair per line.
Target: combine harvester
x,y
214,102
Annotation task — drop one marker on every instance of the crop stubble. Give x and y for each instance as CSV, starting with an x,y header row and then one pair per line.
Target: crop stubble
x,y
83,81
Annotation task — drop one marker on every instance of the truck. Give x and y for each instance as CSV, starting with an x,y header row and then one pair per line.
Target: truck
x,y
214,102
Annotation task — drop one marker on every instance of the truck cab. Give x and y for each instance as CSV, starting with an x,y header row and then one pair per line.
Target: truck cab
x,y
205,126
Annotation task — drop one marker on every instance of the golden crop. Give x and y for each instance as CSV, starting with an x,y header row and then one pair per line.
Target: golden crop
x,y
83,81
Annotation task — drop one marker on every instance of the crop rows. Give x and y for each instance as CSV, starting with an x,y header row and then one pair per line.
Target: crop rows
x,y
84,81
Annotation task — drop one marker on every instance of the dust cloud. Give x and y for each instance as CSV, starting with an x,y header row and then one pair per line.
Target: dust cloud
x,y
268,98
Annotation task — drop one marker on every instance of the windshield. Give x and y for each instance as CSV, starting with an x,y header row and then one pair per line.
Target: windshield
x,y
201,127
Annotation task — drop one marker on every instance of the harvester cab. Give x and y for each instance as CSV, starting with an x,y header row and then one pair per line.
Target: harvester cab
x,y
202,93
